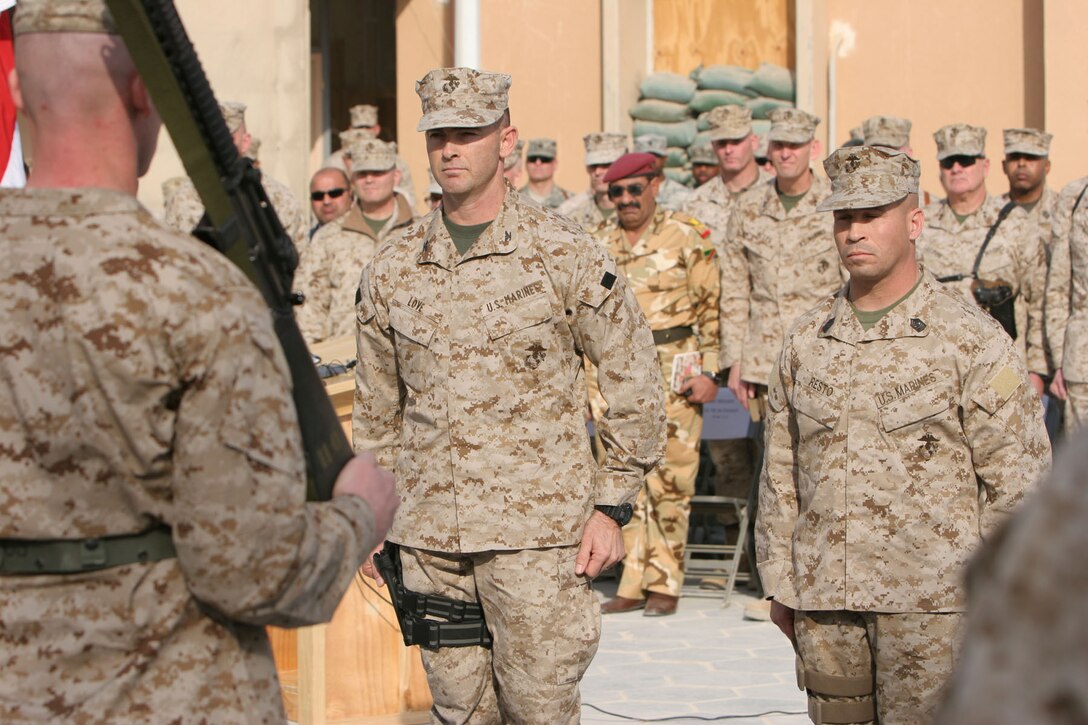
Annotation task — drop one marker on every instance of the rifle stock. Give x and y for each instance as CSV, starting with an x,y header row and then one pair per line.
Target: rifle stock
x,y
242,224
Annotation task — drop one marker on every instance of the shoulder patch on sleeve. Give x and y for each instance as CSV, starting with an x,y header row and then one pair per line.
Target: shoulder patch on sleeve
x,y
364,306
699,227
594,292
999,389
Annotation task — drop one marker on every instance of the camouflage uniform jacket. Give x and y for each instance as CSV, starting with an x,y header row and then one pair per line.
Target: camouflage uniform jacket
x,y
673,272
556,197
891,453
1038,221
672,195
775,267
583,210
144,385
328,274
948,247
182,207
713,204
1067,285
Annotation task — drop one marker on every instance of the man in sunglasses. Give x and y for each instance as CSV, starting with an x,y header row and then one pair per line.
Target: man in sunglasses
x,y
671,266
591,208
328,274
473,324
970,245
183,208
330,196
541,163
901,430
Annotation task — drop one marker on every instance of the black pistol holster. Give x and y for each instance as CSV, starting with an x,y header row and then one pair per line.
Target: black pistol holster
x,y
462,623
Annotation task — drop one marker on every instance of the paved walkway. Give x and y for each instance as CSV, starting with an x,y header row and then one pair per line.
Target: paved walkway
x,y
704,663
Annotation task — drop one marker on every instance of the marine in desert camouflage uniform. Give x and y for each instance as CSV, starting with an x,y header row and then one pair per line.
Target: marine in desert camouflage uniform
x,y
1026,164
154,514
593,207
328,275
364,125
472,329
541,161
670,265
183,208
901,430
956,228
673,195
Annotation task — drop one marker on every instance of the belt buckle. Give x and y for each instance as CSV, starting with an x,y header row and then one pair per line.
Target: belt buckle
x,y
92,554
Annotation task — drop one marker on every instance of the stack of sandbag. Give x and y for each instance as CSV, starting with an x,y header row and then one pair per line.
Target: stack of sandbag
x,y
663,109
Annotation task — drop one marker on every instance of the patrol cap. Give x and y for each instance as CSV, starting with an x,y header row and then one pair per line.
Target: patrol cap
x,y
1030,141
462,98
543,147
234,113
371,154
512,160
363,115
632,164
863,177
792,125
729,123
959,139
856,138
347,138
604,148
703,153
63,16
651,143
890,131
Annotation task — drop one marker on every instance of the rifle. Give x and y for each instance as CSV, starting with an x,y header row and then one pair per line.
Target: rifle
x,y
242,223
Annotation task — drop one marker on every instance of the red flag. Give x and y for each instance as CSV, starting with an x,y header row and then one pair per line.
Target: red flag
x,y
11,154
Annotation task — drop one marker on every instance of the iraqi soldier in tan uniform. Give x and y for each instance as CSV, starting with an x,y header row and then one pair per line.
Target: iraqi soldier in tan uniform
x,y
956,228
364,125
540,163
1025,654
901,430
183,208
472,329
1026,164
673,195
1067,302
734,145
154,514
328,275
670,265
593,207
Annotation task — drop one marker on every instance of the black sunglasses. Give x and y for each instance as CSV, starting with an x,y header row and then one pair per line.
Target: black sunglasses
x,y
538,159
617,190
961,159
332,193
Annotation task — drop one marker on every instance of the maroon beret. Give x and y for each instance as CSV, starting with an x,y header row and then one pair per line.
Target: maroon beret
x,y
630,165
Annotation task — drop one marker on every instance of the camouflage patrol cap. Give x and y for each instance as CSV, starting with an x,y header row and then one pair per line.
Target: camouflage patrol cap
x,y
543,147
347,138
703,153
864,177
363,115
63,16
889,131
729,123
792,125
234,113
462,98
604,148
1030,141
959,139
371,154
651,143
512,160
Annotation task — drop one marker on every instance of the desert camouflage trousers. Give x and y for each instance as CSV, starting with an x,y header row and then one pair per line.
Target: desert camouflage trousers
x,y
1076,406
655,537
544,620
868,667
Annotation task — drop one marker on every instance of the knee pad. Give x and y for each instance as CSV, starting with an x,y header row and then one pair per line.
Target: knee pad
x,y
822,712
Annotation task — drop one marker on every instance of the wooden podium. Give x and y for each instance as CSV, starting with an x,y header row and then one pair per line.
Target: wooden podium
x,y
355,669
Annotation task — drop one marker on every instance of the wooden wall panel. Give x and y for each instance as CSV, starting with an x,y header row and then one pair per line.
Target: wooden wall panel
x,y
688,33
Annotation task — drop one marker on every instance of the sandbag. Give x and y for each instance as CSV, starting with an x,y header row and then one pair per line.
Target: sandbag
x,y
772,81
677,157
667,87
703,101
651,109
762,107
723,78
682,176
676,134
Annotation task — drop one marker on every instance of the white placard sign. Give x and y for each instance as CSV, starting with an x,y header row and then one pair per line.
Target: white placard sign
x,y
724,418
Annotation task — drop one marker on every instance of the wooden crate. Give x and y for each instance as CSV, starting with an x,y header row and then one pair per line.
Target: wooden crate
x,y
355,669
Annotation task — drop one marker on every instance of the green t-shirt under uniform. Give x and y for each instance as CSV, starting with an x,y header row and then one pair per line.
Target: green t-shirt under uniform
x,y
464,236
376,225
869,318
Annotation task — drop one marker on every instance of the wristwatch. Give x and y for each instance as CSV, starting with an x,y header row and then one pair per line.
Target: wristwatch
x,y
716,378
620,514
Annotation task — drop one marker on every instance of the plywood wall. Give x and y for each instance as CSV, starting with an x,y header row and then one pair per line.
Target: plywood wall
x,y
688,33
